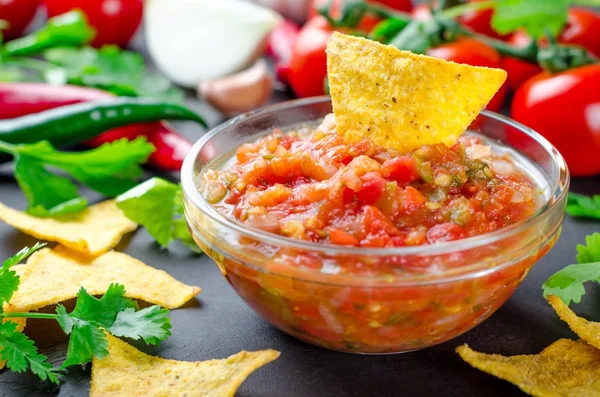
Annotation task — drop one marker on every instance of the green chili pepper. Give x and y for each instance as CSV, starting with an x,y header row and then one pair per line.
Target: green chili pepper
x,y
70,29
79,122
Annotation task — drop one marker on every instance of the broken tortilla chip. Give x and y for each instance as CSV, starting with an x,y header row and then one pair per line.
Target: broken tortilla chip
x,y
566,368
56,275
589,331
92,231
127,372
402,100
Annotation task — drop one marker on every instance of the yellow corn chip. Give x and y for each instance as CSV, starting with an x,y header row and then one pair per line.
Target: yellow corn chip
x,y
589,331
566,368
56,275
403,100
128,372
92,231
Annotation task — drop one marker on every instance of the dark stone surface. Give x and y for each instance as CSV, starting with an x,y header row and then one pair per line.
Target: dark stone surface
x,y
219,324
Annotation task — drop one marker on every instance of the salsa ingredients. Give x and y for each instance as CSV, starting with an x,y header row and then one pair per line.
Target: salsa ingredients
x,y
115,22
87,325
20,99
240,92
110,169
158,206
56,275
186,56
390,97
565,368
18,14
70,29
567,283
565,114
92,231
79,122
126,371
279,48
579,205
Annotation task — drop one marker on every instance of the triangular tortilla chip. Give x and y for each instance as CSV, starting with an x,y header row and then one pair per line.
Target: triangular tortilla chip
x,y
56,275
589,331
92,231
403,100
566,368
128,372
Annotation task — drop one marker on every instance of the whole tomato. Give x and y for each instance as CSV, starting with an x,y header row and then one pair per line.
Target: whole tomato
x,y
369,21
308,65
565,108
583,28
480,21
18,14
519,71
115,21
476,53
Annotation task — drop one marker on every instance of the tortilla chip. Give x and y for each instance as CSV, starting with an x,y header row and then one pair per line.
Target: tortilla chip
x,y
589,331
129,372
566,368
92,231
56,275
403,100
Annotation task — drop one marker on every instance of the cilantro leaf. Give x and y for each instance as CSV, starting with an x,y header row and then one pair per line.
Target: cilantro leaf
x,y
109,68
109,169
9,280
87,322
579,205
567,283
158,206
150,324
536,16
20,353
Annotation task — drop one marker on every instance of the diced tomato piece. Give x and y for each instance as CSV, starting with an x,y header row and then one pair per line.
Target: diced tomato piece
x,y
337,236
413,199
402,169
372,188
445,232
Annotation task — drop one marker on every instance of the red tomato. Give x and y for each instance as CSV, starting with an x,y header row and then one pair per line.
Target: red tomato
x,y
476,53
115,21
583,28
565,108
480,21
18,13
308,66
519,71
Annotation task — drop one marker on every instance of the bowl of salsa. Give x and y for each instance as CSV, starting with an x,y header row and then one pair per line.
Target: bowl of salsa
x,y
357,248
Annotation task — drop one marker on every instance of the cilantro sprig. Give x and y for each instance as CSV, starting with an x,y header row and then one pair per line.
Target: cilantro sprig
x,y
109,169
87,325
568,283
157,205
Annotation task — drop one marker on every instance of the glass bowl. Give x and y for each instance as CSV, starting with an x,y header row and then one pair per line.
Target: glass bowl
x,y
447,288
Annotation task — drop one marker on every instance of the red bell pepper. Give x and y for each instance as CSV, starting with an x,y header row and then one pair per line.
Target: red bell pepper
x,y
20,99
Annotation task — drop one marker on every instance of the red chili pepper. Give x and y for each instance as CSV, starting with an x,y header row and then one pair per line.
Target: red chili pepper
x,y
279,48
20,99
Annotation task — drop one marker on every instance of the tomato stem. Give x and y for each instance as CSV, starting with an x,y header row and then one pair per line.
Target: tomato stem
x,y
461,9
528,53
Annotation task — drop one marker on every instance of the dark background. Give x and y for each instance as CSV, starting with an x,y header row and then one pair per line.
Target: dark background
x,y
218,324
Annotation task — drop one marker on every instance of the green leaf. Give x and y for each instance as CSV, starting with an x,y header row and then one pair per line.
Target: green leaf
x,y
150,324
87,322
590,252
47,194
567,283
9,280
158,206
20,353
537,17
579,205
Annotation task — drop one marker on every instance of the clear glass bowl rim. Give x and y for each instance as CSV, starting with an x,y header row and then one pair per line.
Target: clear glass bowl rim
x,y
558,189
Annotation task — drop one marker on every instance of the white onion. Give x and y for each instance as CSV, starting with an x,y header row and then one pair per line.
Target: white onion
x,y
503,167
476,152
292,9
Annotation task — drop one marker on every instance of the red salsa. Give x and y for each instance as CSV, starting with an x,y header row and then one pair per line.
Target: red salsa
x,y
311,185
